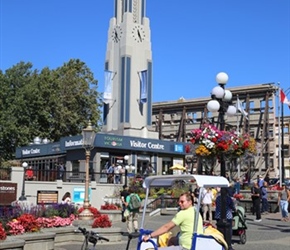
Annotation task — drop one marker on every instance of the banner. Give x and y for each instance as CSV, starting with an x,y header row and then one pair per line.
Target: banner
x,y
143,86
241,109
107,97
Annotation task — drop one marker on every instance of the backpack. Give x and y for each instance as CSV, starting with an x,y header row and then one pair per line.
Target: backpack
x,y
134,202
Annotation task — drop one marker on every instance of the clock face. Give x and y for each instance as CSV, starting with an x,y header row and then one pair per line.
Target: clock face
x,y
138,34
117,34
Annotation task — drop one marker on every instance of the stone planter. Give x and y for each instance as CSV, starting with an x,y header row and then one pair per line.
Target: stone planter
x,y
48,238
112,233
30,241
114,215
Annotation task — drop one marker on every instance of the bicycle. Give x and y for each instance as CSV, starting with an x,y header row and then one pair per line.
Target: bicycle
x,y
90,237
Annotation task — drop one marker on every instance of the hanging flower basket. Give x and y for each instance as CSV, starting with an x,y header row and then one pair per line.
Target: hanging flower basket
x,y
210,142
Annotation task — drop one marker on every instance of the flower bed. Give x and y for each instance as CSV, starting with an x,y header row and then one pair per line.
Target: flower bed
x,y
22,220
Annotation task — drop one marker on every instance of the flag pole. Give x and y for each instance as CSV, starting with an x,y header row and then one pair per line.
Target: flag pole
x,y
279,136
282,145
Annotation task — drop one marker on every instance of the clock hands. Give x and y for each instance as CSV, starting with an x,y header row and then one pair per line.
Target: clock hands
x,y
116,36
139,35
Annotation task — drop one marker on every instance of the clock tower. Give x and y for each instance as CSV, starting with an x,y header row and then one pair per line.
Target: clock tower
x,y
128,70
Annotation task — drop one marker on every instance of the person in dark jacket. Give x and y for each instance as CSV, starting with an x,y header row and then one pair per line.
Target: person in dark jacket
x,y
124,193
230,208
256,200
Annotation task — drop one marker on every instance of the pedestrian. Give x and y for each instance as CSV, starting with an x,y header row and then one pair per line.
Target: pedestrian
x,y
132,207
124,193
110,173
117,174
283,202
264,198
61,170
237,186
207,199
256,201
230,208
66,199
184,219
260,181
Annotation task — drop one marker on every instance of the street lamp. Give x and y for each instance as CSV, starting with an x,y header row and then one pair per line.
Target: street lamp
x,y
23,197
221,103
126,158
130,168
88,144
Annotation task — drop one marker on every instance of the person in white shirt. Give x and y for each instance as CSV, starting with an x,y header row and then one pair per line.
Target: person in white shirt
x,y
117,174
207,198
66,199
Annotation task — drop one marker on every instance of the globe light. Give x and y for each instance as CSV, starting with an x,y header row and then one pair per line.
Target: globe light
x,y
228,95
232,110
222,78
218,92
213,105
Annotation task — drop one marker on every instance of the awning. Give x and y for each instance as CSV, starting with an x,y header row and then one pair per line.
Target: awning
x,y
201,180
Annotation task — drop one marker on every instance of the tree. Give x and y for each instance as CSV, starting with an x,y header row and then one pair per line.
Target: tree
x,y
49,104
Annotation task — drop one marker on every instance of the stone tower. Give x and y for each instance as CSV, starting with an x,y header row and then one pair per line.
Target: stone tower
x,y
128,70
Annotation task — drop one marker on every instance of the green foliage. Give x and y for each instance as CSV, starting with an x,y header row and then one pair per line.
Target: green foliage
x,y
175,191
48,103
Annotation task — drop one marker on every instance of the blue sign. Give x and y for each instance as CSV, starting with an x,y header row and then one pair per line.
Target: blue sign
x,y
79,195
178,148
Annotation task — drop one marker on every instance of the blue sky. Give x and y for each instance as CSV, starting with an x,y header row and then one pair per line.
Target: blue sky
x,y
192,40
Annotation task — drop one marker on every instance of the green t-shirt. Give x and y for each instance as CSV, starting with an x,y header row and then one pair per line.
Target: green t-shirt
x,y
185,219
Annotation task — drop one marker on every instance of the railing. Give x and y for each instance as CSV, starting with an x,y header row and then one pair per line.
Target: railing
x,y
67,176
162,201
5,173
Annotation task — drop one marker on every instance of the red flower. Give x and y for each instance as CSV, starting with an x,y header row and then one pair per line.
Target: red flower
x,y
93,210
108,206
102,221
2,233
29,223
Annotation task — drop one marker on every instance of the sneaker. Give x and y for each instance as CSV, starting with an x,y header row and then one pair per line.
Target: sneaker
x,y
258,220
136,231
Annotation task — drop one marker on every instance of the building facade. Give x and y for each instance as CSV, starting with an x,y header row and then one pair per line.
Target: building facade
x,y
175,120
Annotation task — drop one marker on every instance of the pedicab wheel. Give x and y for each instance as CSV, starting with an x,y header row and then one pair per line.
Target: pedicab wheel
x,y
243,238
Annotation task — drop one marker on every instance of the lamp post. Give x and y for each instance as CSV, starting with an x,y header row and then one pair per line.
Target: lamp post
x,y
126,158
221,100
88,144
23,197
130,168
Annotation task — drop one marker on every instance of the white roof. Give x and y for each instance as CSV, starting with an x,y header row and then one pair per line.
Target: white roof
x,y
201,180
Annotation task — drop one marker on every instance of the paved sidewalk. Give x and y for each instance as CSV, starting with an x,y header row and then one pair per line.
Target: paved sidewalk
x,y
270,234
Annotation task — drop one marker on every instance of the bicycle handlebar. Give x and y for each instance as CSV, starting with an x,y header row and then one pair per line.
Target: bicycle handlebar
x,y
93,237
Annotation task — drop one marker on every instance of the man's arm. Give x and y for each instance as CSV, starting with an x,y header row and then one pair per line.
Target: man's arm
x,y
161,230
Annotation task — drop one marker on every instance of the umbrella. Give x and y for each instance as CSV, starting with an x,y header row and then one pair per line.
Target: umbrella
x,y
178,167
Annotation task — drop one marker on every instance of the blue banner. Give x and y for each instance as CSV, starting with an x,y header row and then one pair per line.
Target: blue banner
x,y
143,86
107,98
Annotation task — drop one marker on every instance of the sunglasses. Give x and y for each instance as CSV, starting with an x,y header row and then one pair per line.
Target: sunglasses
x,y
181,201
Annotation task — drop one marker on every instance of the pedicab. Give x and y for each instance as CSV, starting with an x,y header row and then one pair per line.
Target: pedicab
x,y
199,241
